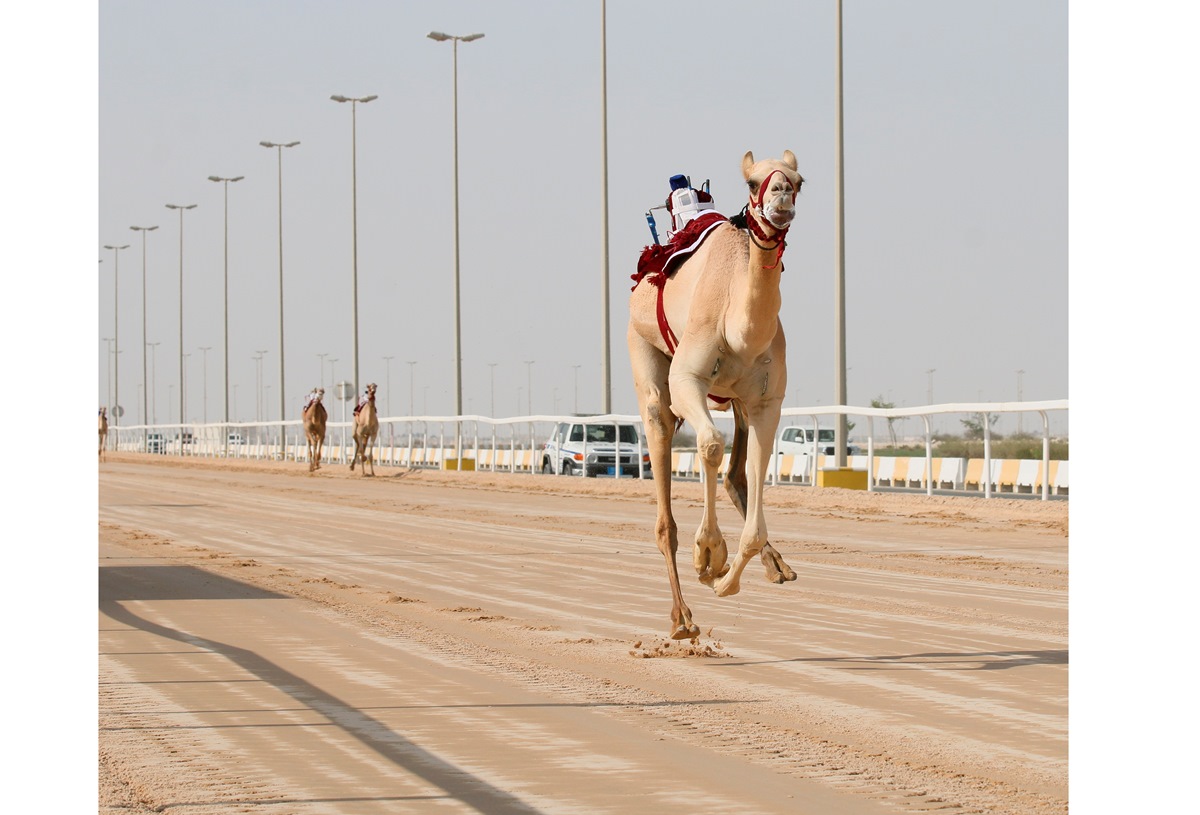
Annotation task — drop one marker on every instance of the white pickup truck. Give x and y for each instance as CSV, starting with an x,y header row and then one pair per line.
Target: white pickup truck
x,y
800,440
566,452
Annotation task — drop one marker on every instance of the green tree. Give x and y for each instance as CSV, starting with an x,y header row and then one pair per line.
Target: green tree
x,y
973,425
878,402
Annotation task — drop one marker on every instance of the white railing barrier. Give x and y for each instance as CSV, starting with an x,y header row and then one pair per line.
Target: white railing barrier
x,y
284,441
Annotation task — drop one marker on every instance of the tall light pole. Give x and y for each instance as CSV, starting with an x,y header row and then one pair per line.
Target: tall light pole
x,y
412,364
226,181
1020,398
117,409
282,399
262,408
438,36
144,230
576,367
182,393
107,371
153,382
839,287
606,357
387,361
354,207
321,360
492,366
930,372
529,383
205,349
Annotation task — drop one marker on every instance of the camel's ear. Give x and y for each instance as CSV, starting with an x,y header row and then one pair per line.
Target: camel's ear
x,y
789,158
747,164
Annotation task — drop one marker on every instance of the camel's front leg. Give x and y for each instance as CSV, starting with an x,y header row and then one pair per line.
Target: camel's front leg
x,y
689,398
763,420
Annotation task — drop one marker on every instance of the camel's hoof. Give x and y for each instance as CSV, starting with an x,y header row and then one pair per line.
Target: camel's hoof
x,y
685,632
726,590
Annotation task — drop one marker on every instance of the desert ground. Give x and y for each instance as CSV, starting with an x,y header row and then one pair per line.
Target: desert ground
x,y
274,642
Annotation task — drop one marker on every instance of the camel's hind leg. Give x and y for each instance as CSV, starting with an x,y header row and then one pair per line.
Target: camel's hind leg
x,y
777,571
650,368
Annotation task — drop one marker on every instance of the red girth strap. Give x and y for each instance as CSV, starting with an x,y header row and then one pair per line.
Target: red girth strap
x,y
664,327
669,338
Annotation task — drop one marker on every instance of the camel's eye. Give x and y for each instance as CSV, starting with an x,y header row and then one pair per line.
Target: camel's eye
x,y
752,185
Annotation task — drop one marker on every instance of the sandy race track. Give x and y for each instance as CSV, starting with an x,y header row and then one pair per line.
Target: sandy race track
x,y
278,642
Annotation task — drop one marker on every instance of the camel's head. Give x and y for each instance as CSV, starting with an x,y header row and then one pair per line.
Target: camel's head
x,y
103,412
774,185
320,394
371,391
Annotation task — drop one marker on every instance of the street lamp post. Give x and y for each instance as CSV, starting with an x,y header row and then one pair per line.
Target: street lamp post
x,y
576,367
412,363
529,383
262,408
226,181
282,399
438,36
116,336
839,286
1020,398
492,366
182,392
606,354
387,361
153,382
107,371
144,230
205,349
321,360
354,206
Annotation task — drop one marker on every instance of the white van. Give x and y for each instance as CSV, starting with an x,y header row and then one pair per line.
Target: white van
x,y
566,453
799,440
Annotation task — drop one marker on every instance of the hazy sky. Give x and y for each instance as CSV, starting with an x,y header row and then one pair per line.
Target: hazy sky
x,y
955,184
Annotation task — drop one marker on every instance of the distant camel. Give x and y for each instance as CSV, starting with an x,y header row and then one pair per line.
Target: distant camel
x,y
314,428
366,428
103,434
726,350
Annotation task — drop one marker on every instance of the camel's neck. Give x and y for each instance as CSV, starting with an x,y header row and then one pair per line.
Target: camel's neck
x,y
755,299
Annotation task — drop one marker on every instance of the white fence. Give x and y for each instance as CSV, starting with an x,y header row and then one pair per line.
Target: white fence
x,y
514,445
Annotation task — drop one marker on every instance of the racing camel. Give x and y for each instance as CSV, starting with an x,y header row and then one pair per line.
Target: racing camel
x,y
103,434
314,416
366,428
704,333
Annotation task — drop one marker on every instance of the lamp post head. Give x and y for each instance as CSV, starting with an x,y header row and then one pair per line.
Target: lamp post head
x,y
126,246
144,228
274,144
440,37
218,178
181,206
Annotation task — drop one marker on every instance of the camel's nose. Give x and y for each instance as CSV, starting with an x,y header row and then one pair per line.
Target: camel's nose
x,y
781,216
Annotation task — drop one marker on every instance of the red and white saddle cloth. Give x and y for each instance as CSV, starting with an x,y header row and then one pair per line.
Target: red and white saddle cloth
x,y
658,262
